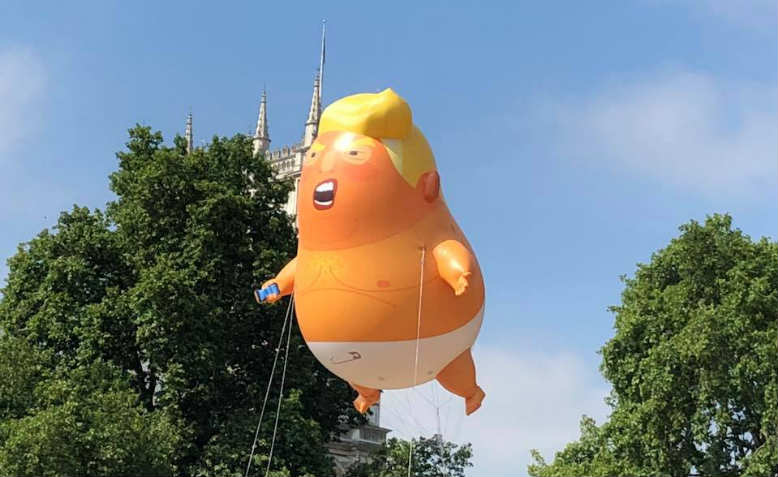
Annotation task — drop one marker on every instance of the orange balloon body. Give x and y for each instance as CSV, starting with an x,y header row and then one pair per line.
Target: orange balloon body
x,y
379,264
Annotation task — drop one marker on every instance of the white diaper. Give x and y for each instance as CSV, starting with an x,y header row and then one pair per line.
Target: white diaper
x,y
390,364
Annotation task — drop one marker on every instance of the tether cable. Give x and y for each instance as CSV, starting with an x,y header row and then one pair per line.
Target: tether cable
x,y
269,382
418,335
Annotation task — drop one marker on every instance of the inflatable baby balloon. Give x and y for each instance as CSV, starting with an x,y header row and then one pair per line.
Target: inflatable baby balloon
x,y
388,292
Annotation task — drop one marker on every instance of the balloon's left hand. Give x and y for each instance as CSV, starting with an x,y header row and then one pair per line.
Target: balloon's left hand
x,y
454,263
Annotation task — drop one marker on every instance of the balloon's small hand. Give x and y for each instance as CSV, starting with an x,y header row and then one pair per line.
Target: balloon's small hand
x,y
462,284
279,286
454,263
269,293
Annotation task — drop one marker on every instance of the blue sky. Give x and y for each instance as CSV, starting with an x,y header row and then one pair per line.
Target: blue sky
x,y
572,140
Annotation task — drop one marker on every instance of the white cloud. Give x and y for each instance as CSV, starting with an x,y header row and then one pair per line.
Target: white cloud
x,y
22,91
22,81
534,400
22,84
751,14
687,129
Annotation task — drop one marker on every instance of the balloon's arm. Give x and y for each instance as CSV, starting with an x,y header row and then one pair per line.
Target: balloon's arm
x,y
454,264
284,284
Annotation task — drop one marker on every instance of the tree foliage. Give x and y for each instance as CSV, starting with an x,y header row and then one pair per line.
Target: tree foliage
x,y
158,289
432,457
693,364
87,421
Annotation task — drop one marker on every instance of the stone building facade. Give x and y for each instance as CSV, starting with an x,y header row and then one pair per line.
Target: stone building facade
x,y
287,161
357,444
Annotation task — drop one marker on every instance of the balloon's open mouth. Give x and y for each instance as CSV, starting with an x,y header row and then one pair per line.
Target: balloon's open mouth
x,y
324,194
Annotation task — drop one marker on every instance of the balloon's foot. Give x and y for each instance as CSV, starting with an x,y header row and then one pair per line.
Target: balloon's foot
x,y
474,402
363,403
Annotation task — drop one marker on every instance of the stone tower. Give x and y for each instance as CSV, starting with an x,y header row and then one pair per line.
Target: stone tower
x,y
314,113
288,160
261,136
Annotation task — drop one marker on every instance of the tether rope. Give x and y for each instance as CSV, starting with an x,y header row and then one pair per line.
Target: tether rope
x,y
280,393
416,358
269,382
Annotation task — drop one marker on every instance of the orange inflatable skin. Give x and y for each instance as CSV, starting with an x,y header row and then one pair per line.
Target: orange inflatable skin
x,y
381,263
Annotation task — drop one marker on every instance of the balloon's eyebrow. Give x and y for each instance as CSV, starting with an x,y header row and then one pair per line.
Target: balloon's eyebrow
x,y
349,140
364,141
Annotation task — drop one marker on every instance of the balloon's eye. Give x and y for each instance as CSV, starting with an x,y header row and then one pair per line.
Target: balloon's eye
x,y
356,156
313,154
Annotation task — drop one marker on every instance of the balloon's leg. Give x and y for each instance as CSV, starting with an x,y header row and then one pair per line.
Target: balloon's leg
x,y
458,377
367,397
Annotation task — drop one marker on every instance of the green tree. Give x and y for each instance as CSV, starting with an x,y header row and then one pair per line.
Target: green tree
x,y
159,288
591,455
86,421
693,364
432,457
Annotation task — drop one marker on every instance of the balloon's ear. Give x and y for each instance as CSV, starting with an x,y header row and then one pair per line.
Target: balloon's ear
x,y
430,185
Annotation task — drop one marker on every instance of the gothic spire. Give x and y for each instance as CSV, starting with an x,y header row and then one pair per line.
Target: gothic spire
x,y
261,135
312,124
188,134
314,113
322,57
